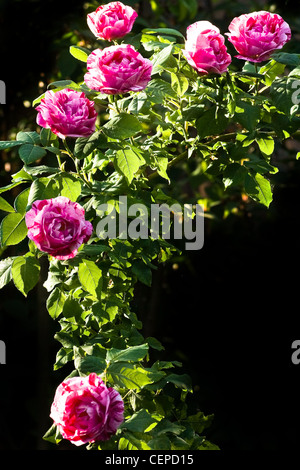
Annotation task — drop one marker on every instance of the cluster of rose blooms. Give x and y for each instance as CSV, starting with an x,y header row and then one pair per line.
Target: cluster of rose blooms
x,y
84,409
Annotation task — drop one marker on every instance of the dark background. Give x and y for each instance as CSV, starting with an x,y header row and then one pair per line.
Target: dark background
x,y
229,312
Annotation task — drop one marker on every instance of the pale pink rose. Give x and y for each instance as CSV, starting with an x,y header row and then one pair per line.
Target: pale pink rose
x,y
117,70
257,35
111,21
67,113
85,410
205,50
58,226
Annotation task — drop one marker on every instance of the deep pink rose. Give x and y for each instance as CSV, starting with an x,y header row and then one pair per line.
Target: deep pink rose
x,y
205,50
67,113
117,70
85,410
111,21
256,35
58,227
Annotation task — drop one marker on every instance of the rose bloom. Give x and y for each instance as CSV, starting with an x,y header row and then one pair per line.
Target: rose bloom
x,y
256,35
58,226
111,21
117,70
205,50
67,113
85,410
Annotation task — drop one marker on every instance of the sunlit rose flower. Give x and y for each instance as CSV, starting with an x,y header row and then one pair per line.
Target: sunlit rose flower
x,y
117,70
58,226
256,35
67,113
111,21
85,410
205,50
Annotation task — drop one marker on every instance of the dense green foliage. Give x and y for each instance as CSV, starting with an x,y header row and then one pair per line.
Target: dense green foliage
x,y
223,129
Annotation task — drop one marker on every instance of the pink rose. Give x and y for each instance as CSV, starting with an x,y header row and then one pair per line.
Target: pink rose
x,y
256,35
111,21
117,70
205,50
85,410
67,113
58,227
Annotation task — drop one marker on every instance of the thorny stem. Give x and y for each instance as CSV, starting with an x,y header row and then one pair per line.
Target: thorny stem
x,y
81,174
59,161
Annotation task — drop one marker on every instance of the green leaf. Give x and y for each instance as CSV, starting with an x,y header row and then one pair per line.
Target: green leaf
x,y
133,441
139,422
80,53
266,144
7,144
53,435
247,115
129,376
271,70
5,271
47,137
84,146
260,165
43,188
31,137
55,302
158,89
200,422
179,83
132,353
122,127
13,229
10,186
162,31
61,84
30,153
284,94
71,308
127,162
90,277
161,58
182,381
25,273
234,174
70,186
88,364
142,272
286,58
259,189
21,201
5,206
212,122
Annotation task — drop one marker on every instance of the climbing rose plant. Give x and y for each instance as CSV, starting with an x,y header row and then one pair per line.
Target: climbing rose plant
x,y
144,105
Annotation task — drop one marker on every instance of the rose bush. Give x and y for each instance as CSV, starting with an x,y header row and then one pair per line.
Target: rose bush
x,y
112,21
256,35
67,113
178,108
58,227
85,410
205,49
117,70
